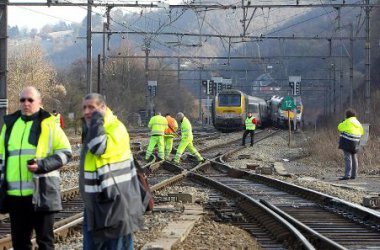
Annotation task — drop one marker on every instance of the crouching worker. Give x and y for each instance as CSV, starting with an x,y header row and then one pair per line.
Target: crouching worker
x,y
108,180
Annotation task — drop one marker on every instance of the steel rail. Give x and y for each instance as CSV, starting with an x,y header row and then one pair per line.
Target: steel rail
x,y
289,234
168,182
321,241
367,216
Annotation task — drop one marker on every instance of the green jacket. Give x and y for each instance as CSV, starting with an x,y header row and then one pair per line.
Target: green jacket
x,y
249,125
351,126
350,133
186,130
157,125
35,137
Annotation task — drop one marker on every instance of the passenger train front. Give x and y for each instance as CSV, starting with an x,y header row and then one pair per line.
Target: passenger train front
x,y
230,108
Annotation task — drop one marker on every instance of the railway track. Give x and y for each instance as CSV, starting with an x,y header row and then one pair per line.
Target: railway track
x,y
328,222
72,213
279,215
70,216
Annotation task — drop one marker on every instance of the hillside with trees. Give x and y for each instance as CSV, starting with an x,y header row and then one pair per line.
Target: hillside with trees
x,y
62,48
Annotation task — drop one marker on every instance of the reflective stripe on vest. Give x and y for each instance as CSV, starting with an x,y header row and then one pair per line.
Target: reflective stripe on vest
x,y
351,137
158,124
186,129
18,185
22,152
95,141
116,159
108,176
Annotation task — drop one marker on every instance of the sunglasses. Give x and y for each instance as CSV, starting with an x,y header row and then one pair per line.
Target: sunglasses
x,y
26,99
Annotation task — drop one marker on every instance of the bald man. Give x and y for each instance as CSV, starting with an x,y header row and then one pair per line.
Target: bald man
x,y
32,149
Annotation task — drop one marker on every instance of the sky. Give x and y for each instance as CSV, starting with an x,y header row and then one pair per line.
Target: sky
x,y
37,17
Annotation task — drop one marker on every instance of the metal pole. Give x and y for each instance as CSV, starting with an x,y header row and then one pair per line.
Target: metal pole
x,y
148,97
351,62
341,62
103,60
334,89
244,15
178,76
290,129
89,47
200,96
108,14
368,64
98,73
330,100
325,101
3,59
208,110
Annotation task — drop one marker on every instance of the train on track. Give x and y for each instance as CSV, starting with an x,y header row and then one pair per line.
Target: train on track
x,y
279,117
230,107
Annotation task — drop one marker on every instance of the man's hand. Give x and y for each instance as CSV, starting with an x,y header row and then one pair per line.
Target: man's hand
x,y
102,110
32,165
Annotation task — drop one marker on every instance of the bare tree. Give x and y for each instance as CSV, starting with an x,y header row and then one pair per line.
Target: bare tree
x,y
28,66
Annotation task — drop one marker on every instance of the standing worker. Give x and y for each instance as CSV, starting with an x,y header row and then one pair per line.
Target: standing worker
x,y
157,125
169,135
108,180
350,133
186,139
32,149
250,126
59,119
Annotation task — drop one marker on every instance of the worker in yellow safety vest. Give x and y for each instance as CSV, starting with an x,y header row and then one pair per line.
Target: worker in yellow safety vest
x,y
108,181
170,133
32,149
350,133
157,125
186,139
250,126
58,119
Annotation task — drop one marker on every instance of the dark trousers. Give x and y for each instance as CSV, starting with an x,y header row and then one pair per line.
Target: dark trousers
x,y
24,219
121,243
351,165
252,132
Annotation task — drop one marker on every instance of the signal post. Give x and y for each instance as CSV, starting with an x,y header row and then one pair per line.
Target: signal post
x,y
288,104
295,85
